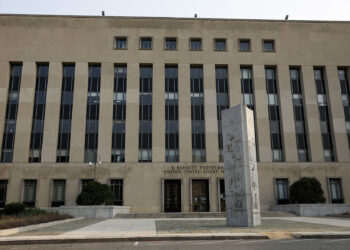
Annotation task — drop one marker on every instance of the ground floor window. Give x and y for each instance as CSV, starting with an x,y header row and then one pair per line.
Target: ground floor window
x,y
282,194
58,193
172,196
3,191
29,194
222,195
200,195
84,182
336,192
117,189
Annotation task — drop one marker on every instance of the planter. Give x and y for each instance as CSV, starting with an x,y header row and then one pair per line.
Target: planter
x,y
312,210
92,212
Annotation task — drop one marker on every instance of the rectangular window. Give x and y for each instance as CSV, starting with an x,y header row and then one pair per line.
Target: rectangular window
x,y
29,194
8,139
58,193
92,113
197,114
39,113
121,43
282,193
222,101
145,114
119,114
244,45
170,43
322,101
220,44
336,191
345,94
269,45
3,192
117,189
274,114
66,108
299,118
195,44
171,114
146,43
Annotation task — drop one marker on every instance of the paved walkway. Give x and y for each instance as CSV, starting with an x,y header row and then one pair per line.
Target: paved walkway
x,y
325,221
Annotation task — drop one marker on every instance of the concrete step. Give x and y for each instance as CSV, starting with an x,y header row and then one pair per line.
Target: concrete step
x,y
172,215
276,214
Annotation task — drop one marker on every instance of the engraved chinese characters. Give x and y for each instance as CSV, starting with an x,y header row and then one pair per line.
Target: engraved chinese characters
x,y
241,176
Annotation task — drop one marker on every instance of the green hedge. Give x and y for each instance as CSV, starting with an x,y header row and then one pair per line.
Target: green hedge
x,y
306,190
95,193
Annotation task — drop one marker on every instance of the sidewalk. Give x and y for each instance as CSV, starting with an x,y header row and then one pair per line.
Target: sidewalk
x,y
116,230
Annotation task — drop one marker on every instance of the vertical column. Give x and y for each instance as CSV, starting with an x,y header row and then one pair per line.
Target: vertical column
x,y
158,118
341,149
210,114
234,79
213,193
25,113
52,113
185,135
312,115
4,84
262,114
132,113
287,115
43,189
77,142
186,192
106,113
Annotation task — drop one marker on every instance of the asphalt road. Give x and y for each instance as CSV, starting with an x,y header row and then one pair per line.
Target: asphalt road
x,y
285,244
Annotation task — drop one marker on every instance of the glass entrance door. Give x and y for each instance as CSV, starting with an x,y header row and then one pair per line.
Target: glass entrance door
x,y
222,196
200,196
172,196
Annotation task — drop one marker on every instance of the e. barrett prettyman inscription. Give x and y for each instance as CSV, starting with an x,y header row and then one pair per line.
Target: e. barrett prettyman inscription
x,y
241,174
189,170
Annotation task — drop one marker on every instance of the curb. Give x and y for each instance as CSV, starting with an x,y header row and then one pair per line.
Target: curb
x,y
321,236
6,232
129,239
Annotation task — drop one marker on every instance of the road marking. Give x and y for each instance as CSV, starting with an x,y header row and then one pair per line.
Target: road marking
x,y
136,243
337,240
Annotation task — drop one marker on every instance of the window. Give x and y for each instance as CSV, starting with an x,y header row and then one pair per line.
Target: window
x,y
220,44
146,43
117,189
244,45
29,194
58,193
39,113
92,113
282,194
84,182
121,43
3,192
145,114
8,139
170,43
345,93
269,45
335,190
195,44
64,132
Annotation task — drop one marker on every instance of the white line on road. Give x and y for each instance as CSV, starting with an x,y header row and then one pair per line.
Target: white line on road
x,y
136,243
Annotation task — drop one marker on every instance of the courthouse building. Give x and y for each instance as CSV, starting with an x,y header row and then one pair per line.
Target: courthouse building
x,y
135,103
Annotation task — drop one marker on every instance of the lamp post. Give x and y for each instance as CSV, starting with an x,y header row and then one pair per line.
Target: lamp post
x,y
95,163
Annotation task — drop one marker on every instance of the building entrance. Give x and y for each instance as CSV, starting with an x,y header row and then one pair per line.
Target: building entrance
x,y
200,196
172,196
222,196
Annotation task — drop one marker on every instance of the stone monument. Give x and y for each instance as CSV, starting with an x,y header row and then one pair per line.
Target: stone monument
x,y
241,174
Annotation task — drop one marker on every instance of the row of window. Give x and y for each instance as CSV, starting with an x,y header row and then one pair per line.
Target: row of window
x,y
170,43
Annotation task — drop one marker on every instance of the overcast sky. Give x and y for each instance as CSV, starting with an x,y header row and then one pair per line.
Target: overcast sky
x,y
259,9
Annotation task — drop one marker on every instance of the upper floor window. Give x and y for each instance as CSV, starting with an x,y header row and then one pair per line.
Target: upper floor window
x,y
244,45
269,45
146,43
120,43
220,44
196,44
170,43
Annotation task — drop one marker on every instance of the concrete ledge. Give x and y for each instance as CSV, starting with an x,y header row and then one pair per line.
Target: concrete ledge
x,y
15,230
92,212
312,210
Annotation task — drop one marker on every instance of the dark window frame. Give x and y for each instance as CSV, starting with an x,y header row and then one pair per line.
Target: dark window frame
x,y
116,38
195,39
146,39
266,41
173,39
244,40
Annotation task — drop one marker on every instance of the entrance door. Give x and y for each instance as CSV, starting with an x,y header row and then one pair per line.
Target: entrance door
x,y
172,196
222,196
200,196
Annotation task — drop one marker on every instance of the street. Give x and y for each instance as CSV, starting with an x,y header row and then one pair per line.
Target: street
x,y
285,244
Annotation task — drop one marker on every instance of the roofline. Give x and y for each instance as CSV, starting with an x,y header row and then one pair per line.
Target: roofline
x,y
177,18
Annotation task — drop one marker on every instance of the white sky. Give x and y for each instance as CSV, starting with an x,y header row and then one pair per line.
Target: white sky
x,y
252,9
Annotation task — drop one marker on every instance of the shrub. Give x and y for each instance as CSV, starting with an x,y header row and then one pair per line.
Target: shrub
x,y
32,211
95,193
306,190
14,208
